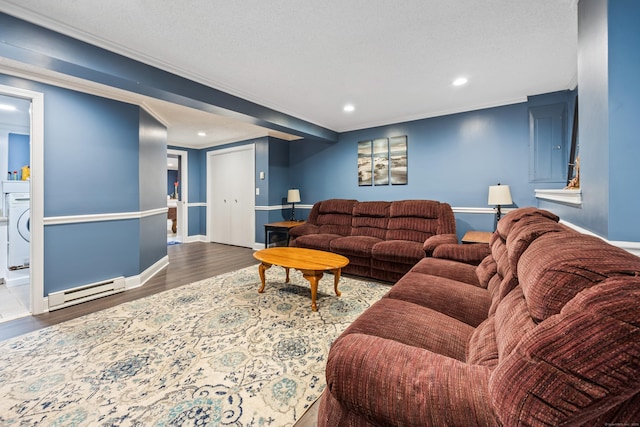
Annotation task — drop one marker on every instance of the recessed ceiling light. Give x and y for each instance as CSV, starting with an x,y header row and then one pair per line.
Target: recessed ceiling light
x,y
7,107
348,108
460,81
202,133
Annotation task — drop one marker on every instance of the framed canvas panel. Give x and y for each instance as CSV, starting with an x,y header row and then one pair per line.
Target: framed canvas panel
x,y
365,164
381,161
398,160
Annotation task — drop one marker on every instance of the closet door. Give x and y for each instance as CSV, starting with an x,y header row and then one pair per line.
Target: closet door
x,y
220,214
243,201
231,197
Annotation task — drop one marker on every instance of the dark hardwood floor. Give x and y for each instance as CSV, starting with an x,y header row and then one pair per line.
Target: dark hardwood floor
x,y
188,263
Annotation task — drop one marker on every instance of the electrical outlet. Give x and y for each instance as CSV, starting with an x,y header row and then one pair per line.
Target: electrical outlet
x,y
257,191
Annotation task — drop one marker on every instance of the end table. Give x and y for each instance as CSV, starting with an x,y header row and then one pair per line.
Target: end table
x,y
282,227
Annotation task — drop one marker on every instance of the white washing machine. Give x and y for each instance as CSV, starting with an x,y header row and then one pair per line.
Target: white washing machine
x,y
18,226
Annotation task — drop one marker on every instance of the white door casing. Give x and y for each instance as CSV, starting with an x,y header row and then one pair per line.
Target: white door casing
x,y
37,194
230,196
183,204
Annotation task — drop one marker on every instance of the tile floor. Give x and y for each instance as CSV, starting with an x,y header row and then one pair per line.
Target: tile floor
x,y
14,302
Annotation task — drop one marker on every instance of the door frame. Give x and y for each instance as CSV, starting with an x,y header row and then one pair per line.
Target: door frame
x,y
36,248
183,205
209,212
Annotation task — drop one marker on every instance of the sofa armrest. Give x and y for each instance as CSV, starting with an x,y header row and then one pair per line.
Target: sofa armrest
x,y
304,229
439,239
468,253
416,387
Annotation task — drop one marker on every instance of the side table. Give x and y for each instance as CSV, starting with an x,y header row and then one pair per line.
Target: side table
x,y
281,227
477,237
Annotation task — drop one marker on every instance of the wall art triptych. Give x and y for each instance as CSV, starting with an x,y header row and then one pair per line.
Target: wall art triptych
x,y
382,161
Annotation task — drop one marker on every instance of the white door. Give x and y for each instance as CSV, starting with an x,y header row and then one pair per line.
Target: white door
x,y
231,199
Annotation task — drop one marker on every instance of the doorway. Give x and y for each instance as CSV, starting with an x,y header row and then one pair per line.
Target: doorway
x,y
21,204
231,196
177,196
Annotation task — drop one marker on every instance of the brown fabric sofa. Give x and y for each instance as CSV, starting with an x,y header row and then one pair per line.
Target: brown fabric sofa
x,y
544,332
382,240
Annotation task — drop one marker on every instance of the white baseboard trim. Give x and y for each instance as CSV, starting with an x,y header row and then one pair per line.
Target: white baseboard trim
x,y
280,207
133,282
196,238
130,282
633,247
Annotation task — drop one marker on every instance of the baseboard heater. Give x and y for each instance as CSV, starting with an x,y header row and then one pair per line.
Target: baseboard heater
x,y
85,293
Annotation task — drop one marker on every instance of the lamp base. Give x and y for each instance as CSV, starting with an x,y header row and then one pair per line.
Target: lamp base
x,y
293,212
498,215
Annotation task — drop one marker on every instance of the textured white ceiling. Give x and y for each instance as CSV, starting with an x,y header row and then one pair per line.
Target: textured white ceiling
x,y
394,61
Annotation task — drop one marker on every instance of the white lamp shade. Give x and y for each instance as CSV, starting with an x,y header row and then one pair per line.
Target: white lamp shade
x,y
293,196
499,195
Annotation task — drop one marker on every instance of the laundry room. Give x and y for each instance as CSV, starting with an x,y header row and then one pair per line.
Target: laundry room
x,y
15,149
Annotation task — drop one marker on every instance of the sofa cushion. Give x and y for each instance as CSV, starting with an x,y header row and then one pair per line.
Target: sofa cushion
x,y
353,245
414,220
578,365
557,266
512,321
334,216
316,241
464,302
398,251
524,232
500,288
499,253
486,270
388,383
339,206
421,327
483,349
446,268
370,219
469,254
512,218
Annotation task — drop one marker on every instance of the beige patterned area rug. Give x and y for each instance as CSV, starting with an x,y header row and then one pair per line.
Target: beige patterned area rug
x,y
212,353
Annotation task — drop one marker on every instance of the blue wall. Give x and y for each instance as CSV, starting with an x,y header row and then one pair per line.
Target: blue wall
x,y
101,157
152,160
91,165
19,151
91,157
624,126
608,66
452,158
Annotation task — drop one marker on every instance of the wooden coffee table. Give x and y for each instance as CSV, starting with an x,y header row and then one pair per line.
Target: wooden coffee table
x,y
310,262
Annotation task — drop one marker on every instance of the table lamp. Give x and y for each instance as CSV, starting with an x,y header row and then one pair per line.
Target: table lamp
x,y
499,195
293,197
